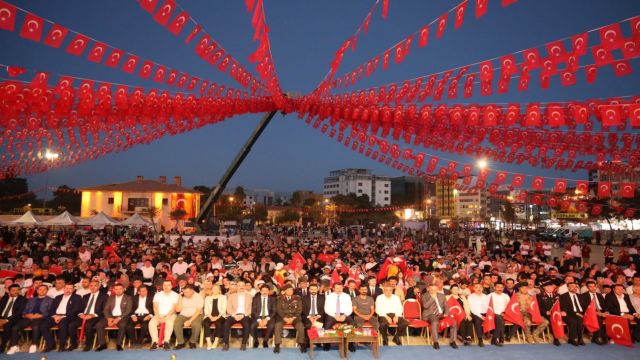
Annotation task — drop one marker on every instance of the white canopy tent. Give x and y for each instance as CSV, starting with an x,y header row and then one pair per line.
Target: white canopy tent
x,y
64,219
100,220
26,219
136,220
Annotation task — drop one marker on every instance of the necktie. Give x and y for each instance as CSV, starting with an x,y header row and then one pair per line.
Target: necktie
x,y
337,304
313,306
595,299
576,305
90,304
5,314
264,307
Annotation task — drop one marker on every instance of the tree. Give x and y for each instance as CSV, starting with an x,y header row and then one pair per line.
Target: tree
x,y
297,198
153,212
287,216
508,213
15,193
239,195
66,198
205,190
178,215
260,213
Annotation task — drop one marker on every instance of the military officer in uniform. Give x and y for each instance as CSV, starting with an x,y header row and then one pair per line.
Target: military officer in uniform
x,y
289,312
548,298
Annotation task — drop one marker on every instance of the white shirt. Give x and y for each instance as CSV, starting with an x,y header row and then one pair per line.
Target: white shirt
x,y
240,307
53,292
313,303
388,304
92,309
166,302
331,302
142,307
575,302
12,305
478,304
82,292
594,296
576,251
148,272
179,268
62,308
499,302
563,289
117,312
623,304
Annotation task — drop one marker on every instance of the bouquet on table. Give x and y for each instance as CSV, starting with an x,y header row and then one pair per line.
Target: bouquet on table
x,y
344,330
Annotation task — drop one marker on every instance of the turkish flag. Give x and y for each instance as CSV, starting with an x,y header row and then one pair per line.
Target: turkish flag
x,y
297,262
537,183
179,23
445,322
518,180
148,5
193,33
456,310
56,35
555,115
596,209
590,319
604,189
512,312
77,45
32,27
582,207
582,187
14,71
326,258
146,69
552,202
279,279
601,55
160,73
622,68
335,278
433,162
442,23
534,310
592,71
580,44
611,36
424,36
481,8
501,177
630,213
131,64
533,116
98,51
634,114
385,9
164,13
560,186
460,10
618,330
557,324
7,16
114,58
489,322
627,190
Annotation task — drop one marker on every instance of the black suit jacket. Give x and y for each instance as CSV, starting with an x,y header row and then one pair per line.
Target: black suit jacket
x,y
74,305
587,300
18,307
298,292
566,304
99,303
148,303
613,306
306,306
376,293
256,306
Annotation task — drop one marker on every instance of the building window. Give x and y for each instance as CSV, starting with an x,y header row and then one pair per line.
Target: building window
x,y
386,191
134,203
386,185
165,202
359,184
386,199
110,201
359,191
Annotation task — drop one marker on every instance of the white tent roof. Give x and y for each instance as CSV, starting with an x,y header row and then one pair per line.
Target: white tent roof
x,y
136,220
63,219
26,219
101,219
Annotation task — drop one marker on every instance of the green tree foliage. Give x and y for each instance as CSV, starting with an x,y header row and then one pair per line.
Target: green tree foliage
x,y
66,198
287,216
15,193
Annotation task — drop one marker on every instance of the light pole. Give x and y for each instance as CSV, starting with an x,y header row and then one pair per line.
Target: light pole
x,y
50,156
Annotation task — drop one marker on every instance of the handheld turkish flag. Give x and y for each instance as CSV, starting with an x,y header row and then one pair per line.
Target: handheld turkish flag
x,y
279,279
534,310
335,278
618,330
489,322
557,325
297,262
445,322
512,312
326,258
591,318
161,333
82,329
456,310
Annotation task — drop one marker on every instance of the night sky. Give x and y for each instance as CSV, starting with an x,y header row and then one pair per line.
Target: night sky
x,y
304,36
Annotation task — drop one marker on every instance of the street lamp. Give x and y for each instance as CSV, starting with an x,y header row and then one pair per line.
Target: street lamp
x,y
51,157
482,163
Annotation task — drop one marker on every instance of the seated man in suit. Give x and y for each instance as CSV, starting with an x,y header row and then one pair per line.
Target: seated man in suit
x,y
618,303
312,308
337,307
64,309
142,312
11,308
600,336
434,309
116,314
91,311
34,314
289,310
263,311
373,289
573,309
239,309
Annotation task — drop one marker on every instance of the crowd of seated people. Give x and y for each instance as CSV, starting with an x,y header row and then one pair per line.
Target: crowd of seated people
x,y
73,293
